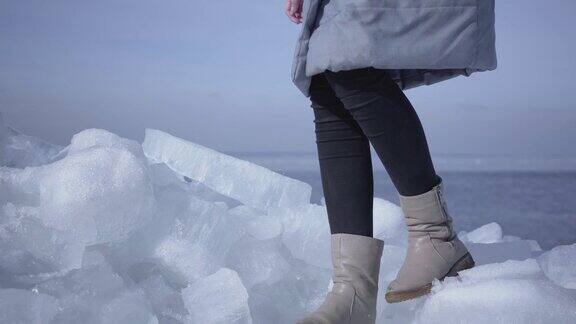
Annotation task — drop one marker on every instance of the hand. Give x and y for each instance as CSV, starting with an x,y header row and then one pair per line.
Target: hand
x,y
293,10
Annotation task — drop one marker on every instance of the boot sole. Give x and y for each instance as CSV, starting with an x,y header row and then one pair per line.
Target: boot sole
x,y
465,262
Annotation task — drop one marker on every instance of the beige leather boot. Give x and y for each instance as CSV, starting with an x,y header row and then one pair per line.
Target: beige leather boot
x,y
352,299
434,250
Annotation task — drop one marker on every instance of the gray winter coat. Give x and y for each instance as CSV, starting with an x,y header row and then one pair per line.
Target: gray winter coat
x,y
418,41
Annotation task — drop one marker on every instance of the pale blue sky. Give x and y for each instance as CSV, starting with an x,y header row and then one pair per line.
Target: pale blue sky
x,y
218,73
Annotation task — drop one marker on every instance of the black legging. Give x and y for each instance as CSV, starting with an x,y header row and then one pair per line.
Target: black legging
x,y
352,109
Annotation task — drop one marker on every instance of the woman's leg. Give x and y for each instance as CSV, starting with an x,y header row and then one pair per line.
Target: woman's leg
x,y
345,162
391,124
346,170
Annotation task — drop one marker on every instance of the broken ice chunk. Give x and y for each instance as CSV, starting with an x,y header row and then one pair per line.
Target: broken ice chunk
x,y
244,181
559,264
258,224
257,261
28,247
307,233
102,193
218,299
95,294
296,294
198,243
389,224
25,306
97,283
95,137
166,301
534,245
498,300
127,307
511,269
489,233
162,175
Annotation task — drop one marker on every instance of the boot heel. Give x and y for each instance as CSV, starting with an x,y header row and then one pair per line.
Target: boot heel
x,y
465,262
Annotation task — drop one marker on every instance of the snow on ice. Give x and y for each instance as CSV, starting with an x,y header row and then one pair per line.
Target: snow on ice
x,y
106,230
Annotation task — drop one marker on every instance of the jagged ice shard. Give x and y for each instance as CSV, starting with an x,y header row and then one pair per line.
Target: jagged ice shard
x,y
247,182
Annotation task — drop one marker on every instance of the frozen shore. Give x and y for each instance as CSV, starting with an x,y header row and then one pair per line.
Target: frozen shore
x,y
109,230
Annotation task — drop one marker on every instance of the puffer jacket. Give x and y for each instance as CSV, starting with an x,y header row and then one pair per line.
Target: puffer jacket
x,y
420,42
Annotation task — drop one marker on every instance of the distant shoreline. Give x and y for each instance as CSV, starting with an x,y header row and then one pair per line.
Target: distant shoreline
x,y
307,161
